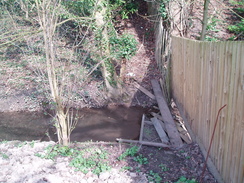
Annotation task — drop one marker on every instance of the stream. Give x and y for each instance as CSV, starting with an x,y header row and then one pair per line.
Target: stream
x,y
101,124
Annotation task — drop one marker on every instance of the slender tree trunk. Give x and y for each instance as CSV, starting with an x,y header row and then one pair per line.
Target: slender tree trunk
x,y
205,20
48,22
63,128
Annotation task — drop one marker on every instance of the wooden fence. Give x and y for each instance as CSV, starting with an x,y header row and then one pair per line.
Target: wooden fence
x,y
205,76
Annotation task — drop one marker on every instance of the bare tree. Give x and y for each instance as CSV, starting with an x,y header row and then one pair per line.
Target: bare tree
x,y
48,20
43,19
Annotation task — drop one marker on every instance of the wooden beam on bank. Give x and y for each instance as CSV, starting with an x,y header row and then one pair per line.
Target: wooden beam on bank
x,y
156,115
144,143
161,133
159,117
142,127
144,90
170,126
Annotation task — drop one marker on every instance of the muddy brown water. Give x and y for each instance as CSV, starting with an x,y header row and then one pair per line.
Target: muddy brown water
x,y
103,124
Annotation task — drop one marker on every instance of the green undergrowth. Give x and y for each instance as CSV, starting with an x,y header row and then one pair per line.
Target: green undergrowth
x,y
134,153
185,180
92,159
237,26
97,159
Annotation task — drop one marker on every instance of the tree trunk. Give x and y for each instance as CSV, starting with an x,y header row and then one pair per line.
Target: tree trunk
x,y
63,131
123,68
205,20
48,22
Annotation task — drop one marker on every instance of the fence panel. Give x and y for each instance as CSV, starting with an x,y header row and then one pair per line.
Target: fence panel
x,y
205,76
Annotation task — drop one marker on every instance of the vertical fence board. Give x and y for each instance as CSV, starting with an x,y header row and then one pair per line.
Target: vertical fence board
x,y
214,86
218,144
205,76
240,116
238,121
234,138
229,125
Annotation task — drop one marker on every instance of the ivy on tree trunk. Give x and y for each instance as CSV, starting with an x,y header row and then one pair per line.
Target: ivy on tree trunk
x,y
102,18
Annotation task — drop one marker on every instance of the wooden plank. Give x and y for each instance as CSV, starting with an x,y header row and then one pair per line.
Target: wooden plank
x,y
142,128
144,90
148,122
234,160
182,130
161,133
160,119
184,134
157,115
239,108
145,143
170,126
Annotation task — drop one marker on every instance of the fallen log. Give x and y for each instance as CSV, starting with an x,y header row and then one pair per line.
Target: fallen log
x,y
170,126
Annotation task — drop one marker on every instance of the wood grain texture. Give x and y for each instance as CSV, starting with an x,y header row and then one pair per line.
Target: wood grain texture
x,y
205,76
